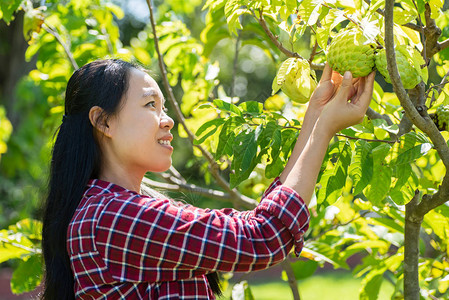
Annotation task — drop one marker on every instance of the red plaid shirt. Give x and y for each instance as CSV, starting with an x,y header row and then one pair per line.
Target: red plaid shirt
x,y
123,245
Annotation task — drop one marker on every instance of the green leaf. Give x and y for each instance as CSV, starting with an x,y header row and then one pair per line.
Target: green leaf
x,y
324,252
15,244
438,223
380,183
369,244
361,169
226,137
334,178
275,167
226,106
233,11
310,10
251,107
245,150
371,284
412,154
389,223
265,139
210,128
304,268
30,228
405,186
291,5
28,275
8,8
338,173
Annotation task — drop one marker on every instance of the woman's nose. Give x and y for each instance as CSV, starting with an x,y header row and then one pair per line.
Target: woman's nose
x,y
167,122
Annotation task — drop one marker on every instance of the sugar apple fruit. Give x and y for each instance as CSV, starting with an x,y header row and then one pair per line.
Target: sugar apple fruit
x,y
295,79
441,117
410,75
351,51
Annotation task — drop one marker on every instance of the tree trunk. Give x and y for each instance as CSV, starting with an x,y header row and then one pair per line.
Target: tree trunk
x,y
13,65
411,251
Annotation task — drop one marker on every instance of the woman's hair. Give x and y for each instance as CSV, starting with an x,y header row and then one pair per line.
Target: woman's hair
x,y
76,158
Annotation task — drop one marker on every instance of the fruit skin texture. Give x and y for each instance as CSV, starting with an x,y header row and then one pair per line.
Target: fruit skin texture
x,y
442,117
295,79
351,51
409,75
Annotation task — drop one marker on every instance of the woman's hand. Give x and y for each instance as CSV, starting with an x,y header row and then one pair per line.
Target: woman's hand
x,y
328,85
349,104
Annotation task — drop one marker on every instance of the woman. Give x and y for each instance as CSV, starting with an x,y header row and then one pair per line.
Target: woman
x,y
103,239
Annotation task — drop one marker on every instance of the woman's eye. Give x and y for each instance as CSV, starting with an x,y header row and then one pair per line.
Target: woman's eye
x,y
151,104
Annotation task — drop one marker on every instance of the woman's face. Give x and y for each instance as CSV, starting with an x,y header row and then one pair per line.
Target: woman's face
x,y
140,132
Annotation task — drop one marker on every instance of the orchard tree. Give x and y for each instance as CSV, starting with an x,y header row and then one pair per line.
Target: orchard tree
x,y
383,187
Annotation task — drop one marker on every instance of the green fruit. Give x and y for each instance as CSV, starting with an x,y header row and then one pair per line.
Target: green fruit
x,y
295,79
442,117
351,51
410,76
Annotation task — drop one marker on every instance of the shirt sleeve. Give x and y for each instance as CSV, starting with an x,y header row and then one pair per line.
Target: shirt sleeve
x,y
145,239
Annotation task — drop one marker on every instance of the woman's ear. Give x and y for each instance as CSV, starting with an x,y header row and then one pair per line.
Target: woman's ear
x,y
98,120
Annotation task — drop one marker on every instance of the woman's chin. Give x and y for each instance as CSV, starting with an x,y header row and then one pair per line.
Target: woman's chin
x,y
161,168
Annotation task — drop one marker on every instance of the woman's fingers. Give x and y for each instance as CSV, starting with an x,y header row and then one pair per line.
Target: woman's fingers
x,y
346,89
327,73
366,92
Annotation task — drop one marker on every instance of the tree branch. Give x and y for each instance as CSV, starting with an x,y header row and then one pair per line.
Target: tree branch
x,y
192,188
47,27
432,33
422,36
286,265
439,88
430,202
416,210
278,44
213,166
423,122
372,114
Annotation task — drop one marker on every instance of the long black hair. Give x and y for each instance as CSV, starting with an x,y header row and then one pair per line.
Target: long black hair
x,y
76,158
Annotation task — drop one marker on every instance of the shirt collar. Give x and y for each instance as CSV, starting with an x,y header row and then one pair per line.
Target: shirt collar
x,y
98,187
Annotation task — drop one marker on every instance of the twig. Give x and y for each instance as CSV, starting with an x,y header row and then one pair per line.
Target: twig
x,y
286,265
192,188
213,166
368,140
108,40
409,25
423,37
372,114
278,44
178,175
54,33
236,61
439,88
33,250
432,33
314,52
346,16
335,226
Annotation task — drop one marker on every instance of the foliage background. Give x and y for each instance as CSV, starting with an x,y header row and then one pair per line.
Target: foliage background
x,y
216,55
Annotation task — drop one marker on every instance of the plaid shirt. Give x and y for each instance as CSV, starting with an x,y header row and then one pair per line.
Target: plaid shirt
x,y
124,245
